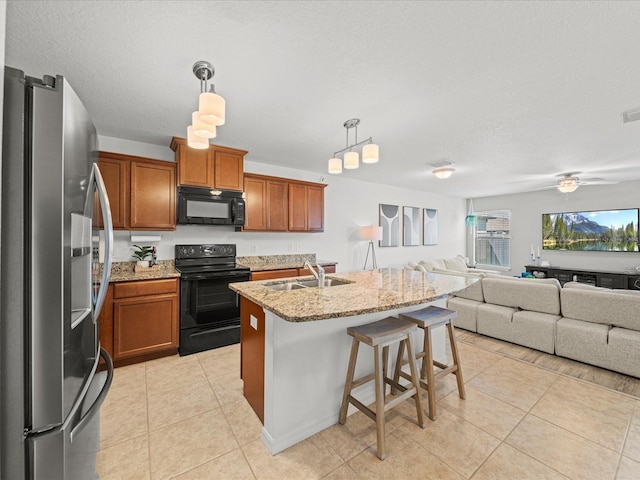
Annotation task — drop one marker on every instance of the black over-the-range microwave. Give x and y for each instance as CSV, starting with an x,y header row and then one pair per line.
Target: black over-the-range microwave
x,y
205,206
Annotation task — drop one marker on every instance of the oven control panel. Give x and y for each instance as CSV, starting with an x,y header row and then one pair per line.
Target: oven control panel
x,y
205,251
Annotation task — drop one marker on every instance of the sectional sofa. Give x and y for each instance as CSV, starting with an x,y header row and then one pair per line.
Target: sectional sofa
x,y
593,325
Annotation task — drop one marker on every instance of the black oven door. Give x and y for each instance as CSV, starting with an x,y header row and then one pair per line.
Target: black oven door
x,y
209,311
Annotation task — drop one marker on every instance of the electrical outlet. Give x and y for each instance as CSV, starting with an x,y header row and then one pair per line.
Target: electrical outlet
x,y
253,249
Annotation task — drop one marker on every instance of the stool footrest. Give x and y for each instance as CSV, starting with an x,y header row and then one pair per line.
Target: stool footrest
x,y
362,407
362,380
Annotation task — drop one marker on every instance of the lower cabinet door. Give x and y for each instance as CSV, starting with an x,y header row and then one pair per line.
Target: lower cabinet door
x,y
143,325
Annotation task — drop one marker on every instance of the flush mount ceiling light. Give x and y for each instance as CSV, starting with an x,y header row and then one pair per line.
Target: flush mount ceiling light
x,y
211,109
443,169
568,184
352,159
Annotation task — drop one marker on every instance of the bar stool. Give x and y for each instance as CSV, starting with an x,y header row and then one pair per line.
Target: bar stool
x,y
428,318
382,333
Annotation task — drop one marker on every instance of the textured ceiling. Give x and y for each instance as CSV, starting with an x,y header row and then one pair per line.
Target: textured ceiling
x,y
514,93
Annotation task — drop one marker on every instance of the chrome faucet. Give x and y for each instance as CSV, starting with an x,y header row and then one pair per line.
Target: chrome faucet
x,y
320,276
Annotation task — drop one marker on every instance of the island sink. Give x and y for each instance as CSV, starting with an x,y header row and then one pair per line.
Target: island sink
x,y
299,284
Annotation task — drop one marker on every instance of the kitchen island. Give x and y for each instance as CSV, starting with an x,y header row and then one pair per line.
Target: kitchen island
x,y
295,349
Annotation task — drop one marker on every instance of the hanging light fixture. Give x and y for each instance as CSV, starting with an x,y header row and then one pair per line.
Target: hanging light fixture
x,y
443,169
211,109
370,151
471,219
568,184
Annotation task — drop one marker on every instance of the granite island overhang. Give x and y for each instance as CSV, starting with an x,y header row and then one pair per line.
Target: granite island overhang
x,y
295,349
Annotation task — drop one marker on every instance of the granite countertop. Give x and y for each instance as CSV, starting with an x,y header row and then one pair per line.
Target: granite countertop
x,y
280,262
124,272
370,291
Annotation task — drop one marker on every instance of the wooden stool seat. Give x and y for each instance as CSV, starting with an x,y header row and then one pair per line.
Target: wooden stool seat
x,y
428,318
382,333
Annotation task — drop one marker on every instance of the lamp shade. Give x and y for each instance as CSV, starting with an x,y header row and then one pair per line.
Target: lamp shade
x,y
335,165
212,108
444,172
371,233
200,128
370,153
195,141
351,160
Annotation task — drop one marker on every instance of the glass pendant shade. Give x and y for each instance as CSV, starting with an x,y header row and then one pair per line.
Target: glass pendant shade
x,y
370,153
443,172
212,108
335,165
200,128
195,141
471,220
351,160
568,186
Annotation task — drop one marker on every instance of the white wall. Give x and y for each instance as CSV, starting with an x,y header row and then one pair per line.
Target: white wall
x,y
526,223
349,204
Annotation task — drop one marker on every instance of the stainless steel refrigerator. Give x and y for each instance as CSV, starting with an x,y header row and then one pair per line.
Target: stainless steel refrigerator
x,y
54,212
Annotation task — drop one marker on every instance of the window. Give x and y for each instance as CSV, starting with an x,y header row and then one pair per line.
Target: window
x,y
493,238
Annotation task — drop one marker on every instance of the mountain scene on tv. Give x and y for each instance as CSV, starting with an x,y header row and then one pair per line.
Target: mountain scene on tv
x,y
605,231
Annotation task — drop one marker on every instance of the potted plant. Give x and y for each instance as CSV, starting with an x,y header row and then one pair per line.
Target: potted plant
x,y
141,253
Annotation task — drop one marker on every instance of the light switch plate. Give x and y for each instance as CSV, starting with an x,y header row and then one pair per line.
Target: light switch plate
x,y
253,321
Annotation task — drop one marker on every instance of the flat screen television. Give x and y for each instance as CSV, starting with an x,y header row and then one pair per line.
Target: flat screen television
x,y
598,230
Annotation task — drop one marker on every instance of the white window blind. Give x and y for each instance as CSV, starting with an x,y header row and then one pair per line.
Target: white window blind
x,y
493,238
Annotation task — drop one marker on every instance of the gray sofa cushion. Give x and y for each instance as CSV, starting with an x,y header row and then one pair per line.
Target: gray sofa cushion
x,y
583,341
494,320
472,292
603,306
624,349
467,312
535,295
535,330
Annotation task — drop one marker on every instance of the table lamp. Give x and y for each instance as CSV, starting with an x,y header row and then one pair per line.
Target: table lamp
x,y
371,233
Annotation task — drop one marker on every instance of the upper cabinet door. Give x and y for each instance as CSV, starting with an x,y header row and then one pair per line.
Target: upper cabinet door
x,y
115,174
216,167
255,212
153,196
297,207
315,209
277,205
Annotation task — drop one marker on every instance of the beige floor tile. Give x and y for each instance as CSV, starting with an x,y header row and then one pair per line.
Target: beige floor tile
x,y
124,461
590,411
628,469
516,383
244,422
359,431
636,413
230,466
508,463
171,406
344,472
190,443
310,459
223,363
475,360
405,459
488,413
181,375
458,443
632,444
127,381
562,450
228,388
169,362
123,417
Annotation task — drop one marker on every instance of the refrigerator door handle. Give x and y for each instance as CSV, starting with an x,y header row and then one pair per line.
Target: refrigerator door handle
x,y
95,406
108,239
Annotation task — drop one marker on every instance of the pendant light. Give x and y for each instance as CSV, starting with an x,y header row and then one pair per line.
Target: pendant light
x,y
370,151
211,109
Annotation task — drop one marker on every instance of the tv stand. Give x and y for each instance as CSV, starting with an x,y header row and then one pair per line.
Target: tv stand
x,y
599,278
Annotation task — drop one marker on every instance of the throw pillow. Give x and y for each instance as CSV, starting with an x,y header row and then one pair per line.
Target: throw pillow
x,y
456,263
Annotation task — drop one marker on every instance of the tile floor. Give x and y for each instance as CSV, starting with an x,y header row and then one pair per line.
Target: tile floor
x,y
527,415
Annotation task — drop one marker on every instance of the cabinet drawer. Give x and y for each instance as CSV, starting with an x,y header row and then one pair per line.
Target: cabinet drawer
x,y
268,274
145,287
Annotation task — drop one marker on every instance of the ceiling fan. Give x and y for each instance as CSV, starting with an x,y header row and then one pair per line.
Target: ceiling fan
x,y
569,182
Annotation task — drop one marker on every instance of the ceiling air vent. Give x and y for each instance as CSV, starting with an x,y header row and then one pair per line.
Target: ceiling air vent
x,y
631,115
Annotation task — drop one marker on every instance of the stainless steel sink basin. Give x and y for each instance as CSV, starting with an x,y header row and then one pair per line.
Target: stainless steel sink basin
x,y
299,284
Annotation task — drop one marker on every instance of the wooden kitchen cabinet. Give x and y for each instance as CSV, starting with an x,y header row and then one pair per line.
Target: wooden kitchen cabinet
x,y
140,320
277,204
216,167
287,272
252,328
142,191
267,203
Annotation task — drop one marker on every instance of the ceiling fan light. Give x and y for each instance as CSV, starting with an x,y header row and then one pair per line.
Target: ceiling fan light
x,y
335,165
568,186
200,128
443,172
212,108
195,141
351,160
370,153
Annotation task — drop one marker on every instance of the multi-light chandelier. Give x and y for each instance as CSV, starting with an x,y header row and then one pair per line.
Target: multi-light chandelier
x,y
211,109
351,158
